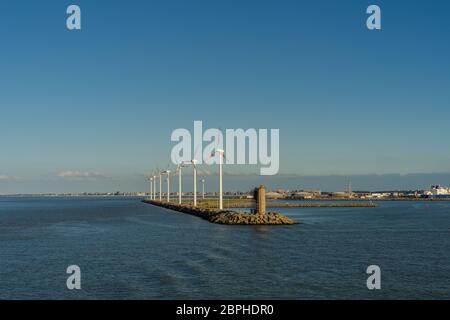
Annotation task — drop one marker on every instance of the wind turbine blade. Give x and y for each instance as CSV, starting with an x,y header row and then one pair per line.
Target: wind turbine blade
x,y
218,142
224,157
168,164
195,152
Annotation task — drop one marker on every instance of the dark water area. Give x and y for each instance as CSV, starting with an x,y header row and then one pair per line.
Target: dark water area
x,y
130,250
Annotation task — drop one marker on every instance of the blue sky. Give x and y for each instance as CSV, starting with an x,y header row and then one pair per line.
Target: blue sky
x,y
102,102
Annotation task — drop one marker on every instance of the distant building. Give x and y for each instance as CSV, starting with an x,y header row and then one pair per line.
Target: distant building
x,y
274,195
378,195
339,194
306,194
438,191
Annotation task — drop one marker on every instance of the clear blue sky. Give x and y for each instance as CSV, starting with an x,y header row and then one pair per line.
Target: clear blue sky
x,y
104,100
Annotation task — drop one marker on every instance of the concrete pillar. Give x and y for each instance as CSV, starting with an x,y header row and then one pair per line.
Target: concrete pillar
x,y
261,200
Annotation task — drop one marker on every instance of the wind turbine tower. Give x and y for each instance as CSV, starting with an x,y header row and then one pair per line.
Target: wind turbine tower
x,y
221,153
154,188
151,187
349,188
168,185
160,186
203,188
179,169
194,168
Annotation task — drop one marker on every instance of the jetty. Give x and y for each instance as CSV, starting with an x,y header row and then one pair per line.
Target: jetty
x,y
227,216
259,216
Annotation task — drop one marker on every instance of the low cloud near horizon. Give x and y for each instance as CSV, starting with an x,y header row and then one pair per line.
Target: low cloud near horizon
x,y
69,174
6,178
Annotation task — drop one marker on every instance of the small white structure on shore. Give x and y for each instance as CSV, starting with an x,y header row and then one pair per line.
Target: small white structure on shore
x,y
437,191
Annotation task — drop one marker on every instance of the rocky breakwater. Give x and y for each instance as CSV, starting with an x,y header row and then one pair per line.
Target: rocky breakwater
x,y
228,217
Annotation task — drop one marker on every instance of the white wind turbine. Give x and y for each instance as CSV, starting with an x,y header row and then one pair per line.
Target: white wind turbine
x,y
194,168
150,179
194,162
167,173
179,169
203,188
160,186
221,153
154,187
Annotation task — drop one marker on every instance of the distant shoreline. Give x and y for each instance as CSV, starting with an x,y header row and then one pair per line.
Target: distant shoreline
x,y
69,196
365,200
226,197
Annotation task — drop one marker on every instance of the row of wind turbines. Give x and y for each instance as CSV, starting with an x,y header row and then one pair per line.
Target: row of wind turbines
x,y
167,173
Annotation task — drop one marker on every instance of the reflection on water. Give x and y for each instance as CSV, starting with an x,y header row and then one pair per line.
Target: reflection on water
x,y
130,250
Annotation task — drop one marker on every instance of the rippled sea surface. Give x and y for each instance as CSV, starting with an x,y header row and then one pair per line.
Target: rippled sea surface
x,y
129,250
